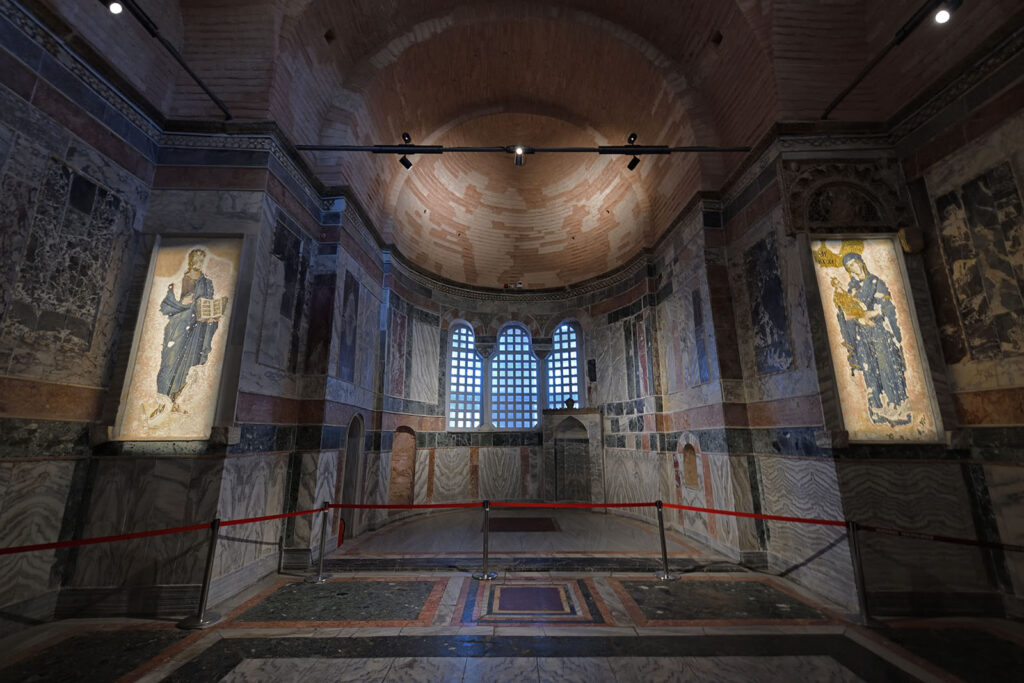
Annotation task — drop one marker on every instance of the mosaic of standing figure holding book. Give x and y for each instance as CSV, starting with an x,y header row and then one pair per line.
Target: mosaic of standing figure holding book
x,y
192,320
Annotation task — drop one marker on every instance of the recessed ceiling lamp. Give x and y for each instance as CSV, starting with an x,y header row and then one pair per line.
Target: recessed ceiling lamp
x,y
115,7
635,160
946,11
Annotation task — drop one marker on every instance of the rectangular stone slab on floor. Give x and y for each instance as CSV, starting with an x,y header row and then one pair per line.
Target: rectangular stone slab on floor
x,y
694,599
343,601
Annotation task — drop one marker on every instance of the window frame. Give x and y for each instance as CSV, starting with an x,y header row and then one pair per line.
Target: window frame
x,y
575,326
448,400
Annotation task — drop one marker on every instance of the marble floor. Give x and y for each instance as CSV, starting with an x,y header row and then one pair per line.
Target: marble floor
x,y
716,622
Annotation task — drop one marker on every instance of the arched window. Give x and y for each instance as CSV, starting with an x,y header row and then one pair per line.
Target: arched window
x,y
563,366
465,381
514,391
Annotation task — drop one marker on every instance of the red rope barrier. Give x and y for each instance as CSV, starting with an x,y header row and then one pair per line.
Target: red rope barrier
x,y
754,515
499,504
431,506
101,539
267,518
944,539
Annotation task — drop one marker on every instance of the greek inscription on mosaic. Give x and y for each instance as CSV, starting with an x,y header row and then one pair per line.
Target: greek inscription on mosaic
x,y
879,367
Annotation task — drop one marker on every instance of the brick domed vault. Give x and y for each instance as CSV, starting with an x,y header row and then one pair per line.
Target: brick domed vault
x,y
505,73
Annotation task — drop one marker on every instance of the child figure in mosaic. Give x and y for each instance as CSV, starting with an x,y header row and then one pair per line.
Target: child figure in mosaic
x,y
192,320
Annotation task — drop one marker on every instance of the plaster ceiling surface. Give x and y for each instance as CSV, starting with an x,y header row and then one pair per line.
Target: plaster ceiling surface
x,y
499,74
560,73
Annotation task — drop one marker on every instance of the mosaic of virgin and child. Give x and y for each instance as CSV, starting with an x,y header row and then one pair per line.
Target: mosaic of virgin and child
x,y
193,315
870,332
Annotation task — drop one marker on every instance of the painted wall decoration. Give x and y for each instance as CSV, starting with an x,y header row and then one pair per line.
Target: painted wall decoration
x,y
883,384
981,233
772,350
349,329
174,381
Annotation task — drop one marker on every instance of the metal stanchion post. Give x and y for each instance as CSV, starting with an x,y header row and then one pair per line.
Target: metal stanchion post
x,y
853,538
664,574
320,577
486,575
202,618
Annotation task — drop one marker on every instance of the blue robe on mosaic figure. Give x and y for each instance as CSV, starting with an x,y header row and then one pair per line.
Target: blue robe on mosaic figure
x,y
873,341
187,342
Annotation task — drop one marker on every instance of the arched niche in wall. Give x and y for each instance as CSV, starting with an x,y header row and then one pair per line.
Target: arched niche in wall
x,y
403,464
572,461
352,474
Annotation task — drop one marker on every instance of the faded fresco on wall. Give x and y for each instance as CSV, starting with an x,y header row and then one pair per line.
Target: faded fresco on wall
x,y
174,382
981,234
349,329
772,350
883,384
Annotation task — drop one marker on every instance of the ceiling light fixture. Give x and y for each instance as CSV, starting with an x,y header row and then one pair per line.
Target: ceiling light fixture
x,y
115,8
404,161
946,10
635,160
519,152
940,10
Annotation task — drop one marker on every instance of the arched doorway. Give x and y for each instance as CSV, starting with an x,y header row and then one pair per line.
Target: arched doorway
x,y
403,466
572,461
353,466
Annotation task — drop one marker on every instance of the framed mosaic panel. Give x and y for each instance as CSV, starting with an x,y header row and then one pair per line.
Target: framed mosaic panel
x,y
885,390
175,370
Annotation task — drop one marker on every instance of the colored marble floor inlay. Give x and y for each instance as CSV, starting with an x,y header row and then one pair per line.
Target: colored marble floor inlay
x,y
365,602
526,602
522,524
100,656
690,599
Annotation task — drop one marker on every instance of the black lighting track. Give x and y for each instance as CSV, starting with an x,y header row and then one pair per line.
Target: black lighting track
x,y
511,149
154,31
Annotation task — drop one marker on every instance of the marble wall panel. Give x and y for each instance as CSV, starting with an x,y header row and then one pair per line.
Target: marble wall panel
x,y
816,557
723,493
252,486
368,358
425,361
403,463
376,484
929,497
451,476
1006,491
609,350
500,473
421,473
632,476
31,511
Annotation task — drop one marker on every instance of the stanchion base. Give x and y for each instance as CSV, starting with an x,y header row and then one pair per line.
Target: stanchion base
x,y
194,622
665,577
482,576
319,578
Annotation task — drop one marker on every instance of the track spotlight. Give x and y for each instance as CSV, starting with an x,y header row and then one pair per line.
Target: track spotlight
x,y
404,161
115,7
631,139
633,163
946,10
406,138
520,152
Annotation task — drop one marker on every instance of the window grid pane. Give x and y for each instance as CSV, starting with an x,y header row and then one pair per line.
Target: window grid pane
x,y
563,368
514,382
465,395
